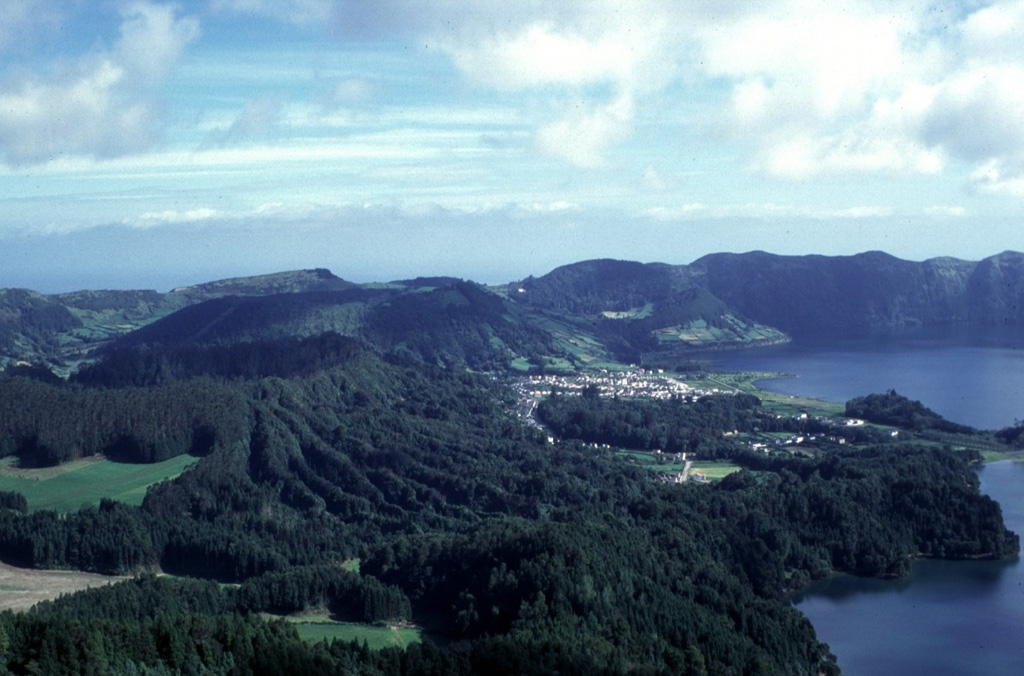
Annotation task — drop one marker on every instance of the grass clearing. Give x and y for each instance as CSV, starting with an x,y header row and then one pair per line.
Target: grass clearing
x,y
22,588
67,487
318,627
996,456
521,364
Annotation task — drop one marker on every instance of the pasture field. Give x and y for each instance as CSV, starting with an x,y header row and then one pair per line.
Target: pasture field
x,y
67,487
314,628
715,470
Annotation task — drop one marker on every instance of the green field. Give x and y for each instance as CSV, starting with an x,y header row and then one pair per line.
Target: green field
x,y
715,470
521,364
315,628
67,487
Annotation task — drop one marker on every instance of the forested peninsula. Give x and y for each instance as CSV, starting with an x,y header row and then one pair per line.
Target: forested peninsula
x,y
398,475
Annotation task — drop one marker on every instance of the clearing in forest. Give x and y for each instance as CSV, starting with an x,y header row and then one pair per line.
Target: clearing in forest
x,y
317,627
22,588
65,488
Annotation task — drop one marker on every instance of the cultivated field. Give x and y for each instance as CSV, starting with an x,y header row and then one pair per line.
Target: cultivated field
x,y
22,588
67,487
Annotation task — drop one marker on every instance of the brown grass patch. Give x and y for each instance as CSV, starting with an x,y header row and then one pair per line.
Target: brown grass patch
x,y
9,467
22,588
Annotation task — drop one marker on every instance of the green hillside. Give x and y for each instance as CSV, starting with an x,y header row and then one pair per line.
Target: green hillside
x,y
64,330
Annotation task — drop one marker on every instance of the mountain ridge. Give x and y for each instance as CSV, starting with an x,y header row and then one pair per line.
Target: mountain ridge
x,y
577,315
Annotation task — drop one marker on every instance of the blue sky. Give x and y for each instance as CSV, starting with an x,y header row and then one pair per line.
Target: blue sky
x,y
146,144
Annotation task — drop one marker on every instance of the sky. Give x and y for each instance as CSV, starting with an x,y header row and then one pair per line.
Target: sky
x,y
148,144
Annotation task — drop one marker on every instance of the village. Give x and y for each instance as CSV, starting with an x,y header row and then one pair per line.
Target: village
x,y
656,384
640,382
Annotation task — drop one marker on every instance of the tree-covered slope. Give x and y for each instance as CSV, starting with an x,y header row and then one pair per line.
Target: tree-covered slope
x,y
294,281
995,290
638,310
233,319
822,294
745,295
30,323
522,555
593,287
63,330
457,323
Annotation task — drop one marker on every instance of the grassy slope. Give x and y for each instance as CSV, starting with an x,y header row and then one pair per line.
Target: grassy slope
x,y
69,486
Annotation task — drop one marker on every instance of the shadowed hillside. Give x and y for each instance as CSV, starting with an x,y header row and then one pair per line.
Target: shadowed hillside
x,y
820,294
588,313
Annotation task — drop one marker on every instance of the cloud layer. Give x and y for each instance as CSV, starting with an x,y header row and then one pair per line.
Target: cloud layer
x,y
102,104
805,89
811,89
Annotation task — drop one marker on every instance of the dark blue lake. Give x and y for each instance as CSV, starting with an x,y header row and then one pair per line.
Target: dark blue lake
x,y
975,378
948,618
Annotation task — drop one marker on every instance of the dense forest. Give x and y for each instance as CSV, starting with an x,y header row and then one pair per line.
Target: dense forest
x,y
891,408
515,554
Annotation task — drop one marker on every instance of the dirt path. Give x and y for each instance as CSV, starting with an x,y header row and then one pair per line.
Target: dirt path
x,y
22,588
686,470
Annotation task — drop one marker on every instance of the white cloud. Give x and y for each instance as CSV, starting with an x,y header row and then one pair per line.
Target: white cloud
x,y
152,40
993,32
541,55
767,210
606,56
819,89
814,89
823,57
583,137
822,88
805,155
996,178
802,90
978,113
558,206
102,106
667,214
171,216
